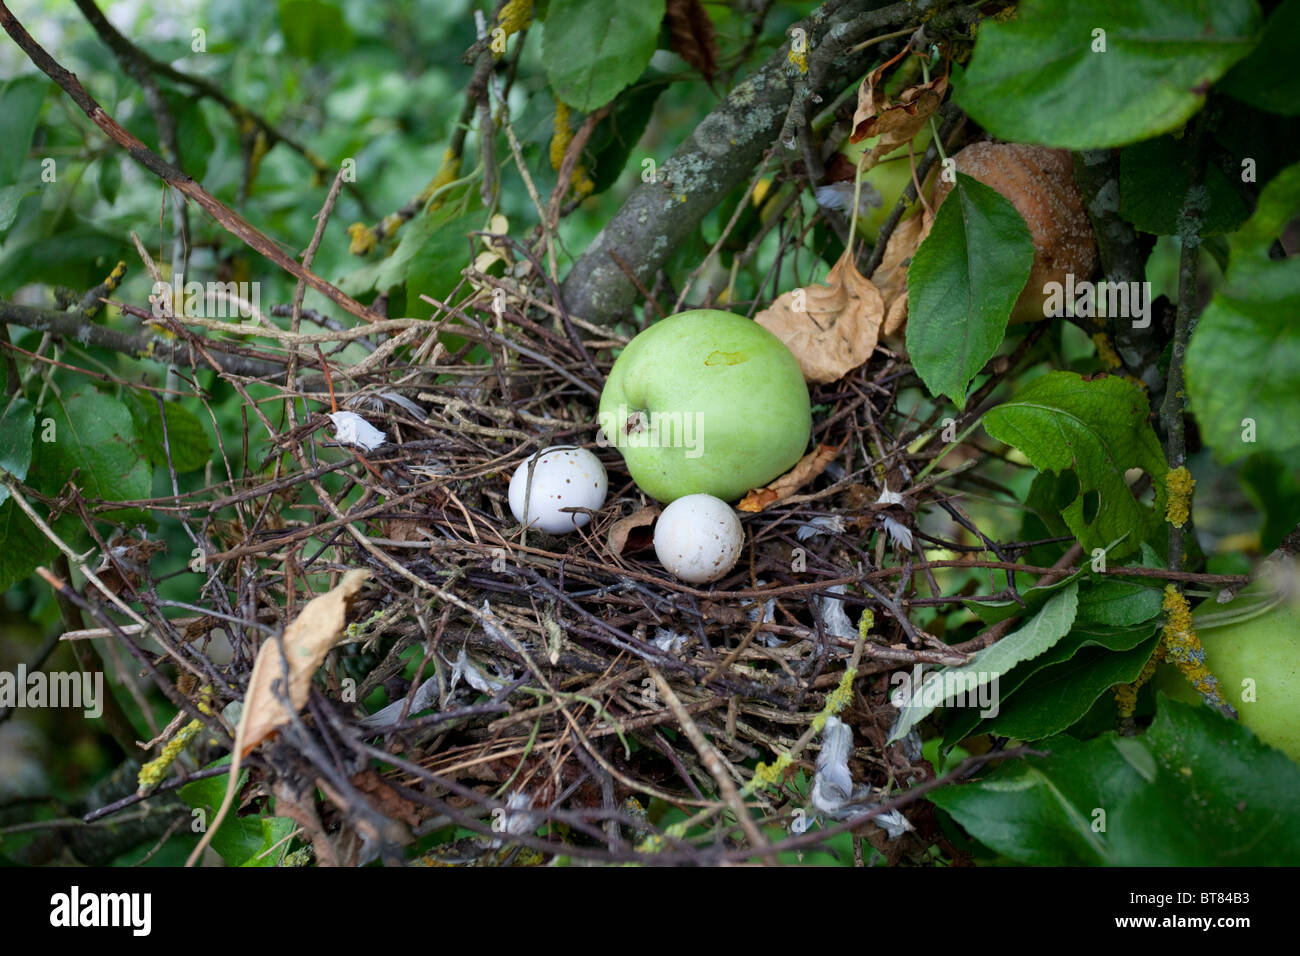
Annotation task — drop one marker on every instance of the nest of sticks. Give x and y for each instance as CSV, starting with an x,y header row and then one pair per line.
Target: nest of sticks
x,y
502,696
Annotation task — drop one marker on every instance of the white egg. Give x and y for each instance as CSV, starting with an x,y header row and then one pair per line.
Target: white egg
x,y
564,476
698,538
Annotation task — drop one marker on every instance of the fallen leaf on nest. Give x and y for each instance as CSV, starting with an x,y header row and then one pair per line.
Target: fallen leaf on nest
x,y
831,328
306,641
894,121
809,467
891,275
621,530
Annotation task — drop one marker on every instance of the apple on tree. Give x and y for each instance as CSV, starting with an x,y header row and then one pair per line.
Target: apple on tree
x,y
705,402
1254,650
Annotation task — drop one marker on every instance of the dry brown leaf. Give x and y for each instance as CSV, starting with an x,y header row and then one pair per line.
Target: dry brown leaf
x,y
832,328
894,121
692,35
891,275
808,467
621,529
387,800
306,641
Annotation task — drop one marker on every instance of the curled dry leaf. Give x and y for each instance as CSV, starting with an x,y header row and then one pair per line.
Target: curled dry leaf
x,y
895,121
621,530
809,467
692,35
306,641
831,328
891,275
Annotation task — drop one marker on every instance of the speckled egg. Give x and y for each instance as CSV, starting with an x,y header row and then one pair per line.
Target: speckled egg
x,y
563,476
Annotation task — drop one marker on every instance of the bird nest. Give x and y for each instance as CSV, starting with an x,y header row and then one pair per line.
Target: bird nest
x,y
502,696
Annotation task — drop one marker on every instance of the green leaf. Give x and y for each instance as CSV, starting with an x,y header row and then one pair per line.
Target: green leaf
x,y
435,267
1220,797
1243,364
1097,429
591,49
1113,602
185,436
20,108
95,437
312,28
962,283
78,257
1153,178
1057,696
965,722
109,181
1197,790
240,841
614,138
1037,79
987,667
447,227
194,137
22,546
1273,488
1268,79
1041,810
16,424
990,612
10,197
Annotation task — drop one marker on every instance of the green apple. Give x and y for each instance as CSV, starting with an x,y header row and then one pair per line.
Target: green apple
x,y
705,402
889,177
1254,650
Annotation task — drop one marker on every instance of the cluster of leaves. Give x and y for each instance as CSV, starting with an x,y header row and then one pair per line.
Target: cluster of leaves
x,y
1196,788
111,447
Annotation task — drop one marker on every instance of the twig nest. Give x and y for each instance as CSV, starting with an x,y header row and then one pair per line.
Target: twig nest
x,y
563,476
698,538
1039,182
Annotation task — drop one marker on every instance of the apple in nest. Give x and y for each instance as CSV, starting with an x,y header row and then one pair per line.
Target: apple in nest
x,y
705,402
1252,645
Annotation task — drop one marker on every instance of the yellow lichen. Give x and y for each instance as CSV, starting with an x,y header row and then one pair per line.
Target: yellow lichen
x,y
152,773
563,135
1180,484
363,239
1106,350
800,59
1126,694
514,16
1183,649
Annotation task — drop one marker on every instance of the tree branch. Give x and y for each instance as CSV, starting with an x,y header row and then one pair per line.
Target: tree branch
x,y
717,156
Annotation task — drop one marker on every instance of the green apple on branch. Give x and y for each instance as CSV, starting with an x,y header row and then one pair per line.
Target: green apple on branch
x,y
705,402
1252,645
